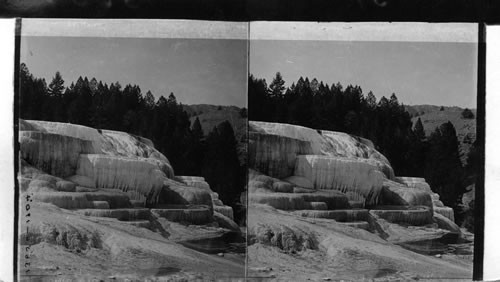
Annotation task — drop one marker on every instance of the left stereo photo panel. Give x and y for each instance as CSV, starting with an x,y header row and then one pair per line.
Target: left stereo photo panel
x,y
132,149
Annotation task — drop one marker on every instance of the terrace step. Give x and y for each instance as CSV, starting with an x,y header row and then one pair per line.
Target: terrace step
x,y
140,223
357,224
416,215
120,214
196,216
352,215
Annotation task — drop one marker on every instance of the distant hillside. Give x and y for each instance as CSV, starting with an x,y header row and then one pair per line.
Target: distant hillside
x,y
433,117
212,115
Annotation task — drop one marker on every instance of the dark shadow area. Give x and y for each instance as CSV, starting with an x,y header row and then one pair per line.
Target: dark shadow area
x,y
231,242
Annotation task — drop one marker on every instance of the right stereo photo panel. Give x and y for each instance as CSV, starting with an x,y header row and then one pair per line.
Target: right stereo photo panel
x,y
362,151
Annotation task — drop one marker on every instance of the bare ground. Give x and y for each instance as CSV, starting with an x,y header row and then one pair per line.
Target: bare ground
x,y
119,250
346,253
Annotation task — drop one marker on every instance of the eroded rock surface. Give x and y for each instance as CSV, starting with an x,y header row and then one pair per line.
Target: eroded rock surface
x,y
339,185
67,165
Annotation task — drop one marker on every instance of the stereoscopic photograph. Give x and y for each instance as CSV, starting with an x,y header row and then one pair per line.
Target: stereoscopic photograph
x,y
362,151
132,150
262,151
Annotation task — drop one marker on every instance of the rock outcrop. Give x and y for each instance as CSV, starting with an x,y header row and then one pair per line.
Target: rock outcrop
x,y
397,194
53,153
275,155
343,174
293,167
318,159
107,173
419,184
199,182
322,142
143,178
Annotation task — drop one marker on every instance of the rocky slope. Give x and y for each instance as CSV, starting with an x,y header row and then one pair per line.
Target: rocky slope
x,y
329,198
104,181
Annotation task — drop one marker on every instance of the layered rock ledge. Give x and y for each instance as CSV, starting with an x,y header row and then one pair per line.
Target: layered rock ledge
x,y
81,168
335,176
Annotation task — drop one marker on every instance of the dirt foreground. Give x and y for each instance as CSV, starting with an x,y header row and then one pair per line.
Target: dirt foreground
x,y
118,251
339,252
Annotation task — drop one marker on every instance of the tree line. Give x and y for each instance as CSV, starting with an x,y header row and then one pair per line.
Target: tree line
x,y
316,104
99,105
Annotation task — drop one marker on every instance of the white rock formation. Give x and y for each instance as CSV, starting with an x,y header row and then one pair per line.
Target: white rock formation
x,y
53,153
328,143
310,135
332,161
446,212
120,214
195,216
275,155
226,222
127,174
418,183
300,181
82,181
394,193
195,181
199,182
337,215
91,159
108,142
65,129
300,201
227,211
118,143
414,216
445,223
414,182
178,193
352,175
317,159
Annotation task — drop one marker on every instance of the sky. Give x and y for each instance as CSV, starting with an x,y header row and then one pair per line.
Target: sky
x,y
197,71
214,71
436,73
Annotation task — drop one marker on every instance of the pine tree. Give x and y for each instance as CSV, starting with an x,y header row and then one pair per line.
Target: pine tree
x,y
257,97
383,103
418,129
393,100
221,166
33,93
277,86
197,129
443,168
172,101
371,100
56,86
314,85
149,100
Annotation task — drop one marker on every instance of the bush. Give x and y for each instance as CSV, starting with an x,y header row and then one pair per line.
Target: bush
x,y
467,114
